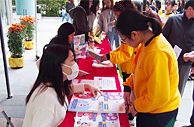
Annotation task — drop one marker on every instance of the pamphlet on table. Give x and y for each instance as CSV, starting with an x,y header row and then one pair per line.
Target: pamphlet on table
x,y
95,55
104,64
97,119
110,102
105,83
80,47
102,83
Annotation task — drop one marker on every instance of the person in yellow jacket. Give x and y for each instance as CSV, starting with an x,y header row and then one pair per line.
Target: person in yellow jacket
x,y
155,97
124,54
169,4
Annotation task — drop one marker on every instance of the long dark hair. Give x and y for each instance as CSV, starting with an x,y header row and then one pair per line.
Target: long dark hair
x,y
104,7
122,5
51,72
133,20
93,7
62,35
85,5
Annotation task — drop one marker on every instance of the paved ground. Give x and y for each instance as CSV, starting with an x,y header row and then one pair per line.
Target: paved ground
x,y
22,79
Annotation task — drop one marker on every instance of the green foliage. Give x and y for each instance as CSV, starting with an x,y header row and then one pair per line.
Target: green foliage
x,y
15,36
51,7
13,2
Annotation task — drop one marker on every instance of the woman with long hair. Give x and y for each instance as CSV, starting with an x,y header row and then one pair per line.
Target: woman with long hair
x,y
65,36
106,23
154,96
93,12
47,100
79,15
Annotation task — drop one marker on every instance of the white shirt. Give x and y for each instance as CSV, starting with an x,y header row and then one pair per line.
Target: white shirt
x,y
44,109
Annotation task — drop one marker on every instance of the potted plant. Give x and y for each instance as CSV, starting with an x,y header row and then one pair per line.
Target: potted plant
x,y
29,36
15,45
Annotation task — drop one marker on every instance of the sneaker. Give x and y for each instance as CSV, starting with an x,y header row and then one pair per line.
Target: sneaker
x,y
132,122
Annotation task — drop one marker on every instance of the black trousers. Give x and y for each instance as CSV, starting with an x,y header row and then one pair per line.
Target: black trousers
x,y
157,120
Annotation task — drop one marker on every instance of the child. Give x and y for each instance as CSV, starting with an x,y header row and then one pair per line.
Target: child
x,y
168,7
155,97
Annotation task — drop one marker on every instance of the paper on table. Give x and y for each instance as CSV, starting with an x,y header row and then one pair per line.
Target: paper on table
x,y
177,51
88,81
84,72
97,119
105,83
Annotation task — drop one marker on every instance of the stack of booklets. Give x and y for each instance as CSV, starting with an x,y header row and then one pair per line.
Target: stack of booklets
x,y
80,47
110,102
97,35
97,119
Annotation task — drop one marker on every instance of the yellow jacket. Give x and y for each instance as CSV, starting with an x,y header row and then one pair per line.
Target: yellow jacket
x,y
166,16
124,55
155,78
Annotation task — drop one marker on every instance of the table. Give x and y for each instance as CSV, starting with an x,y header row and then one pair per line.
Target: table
x,y
86,65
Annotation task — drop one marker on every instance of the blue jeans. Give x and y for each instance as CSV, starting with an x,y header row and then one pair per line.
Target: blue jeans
x,y
113,36
63,17
69,18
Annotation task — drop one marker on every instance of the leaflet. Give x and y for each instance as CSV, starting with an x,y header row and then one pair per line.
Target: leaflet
x,y
110,102
97,119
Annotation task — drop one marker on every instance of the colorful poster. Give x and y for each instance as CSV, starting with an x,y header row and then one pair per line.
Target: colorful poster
x,y
80,47
97,119
110,102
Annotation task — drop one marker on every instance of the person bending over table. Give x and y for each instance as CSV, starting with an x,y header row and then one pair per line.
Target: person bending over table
x,y
155,97
124,54
65,36
47,101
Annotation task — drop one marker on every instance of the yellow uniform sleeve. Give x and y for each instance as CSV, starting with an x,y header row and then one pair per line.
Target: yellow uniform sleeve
x,y
129,82
122,54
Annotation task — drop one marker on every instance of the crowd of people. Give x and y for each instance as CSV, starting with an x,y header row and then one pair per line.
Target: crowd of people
x,y
154,77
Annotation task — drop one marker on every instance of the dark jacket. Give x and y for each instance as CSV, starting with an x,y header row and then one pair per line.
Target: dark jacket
x,y
179,31
79,16
69,6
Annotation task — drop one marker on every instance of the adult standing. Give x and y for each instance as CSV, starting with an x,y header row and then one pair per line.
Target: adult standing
x,y
187,57
106,22
94,8
69,5
80,20
179,30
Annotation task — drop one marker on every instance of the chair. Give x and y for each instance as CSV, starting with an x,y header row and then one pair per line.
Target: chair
x,y
7,118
